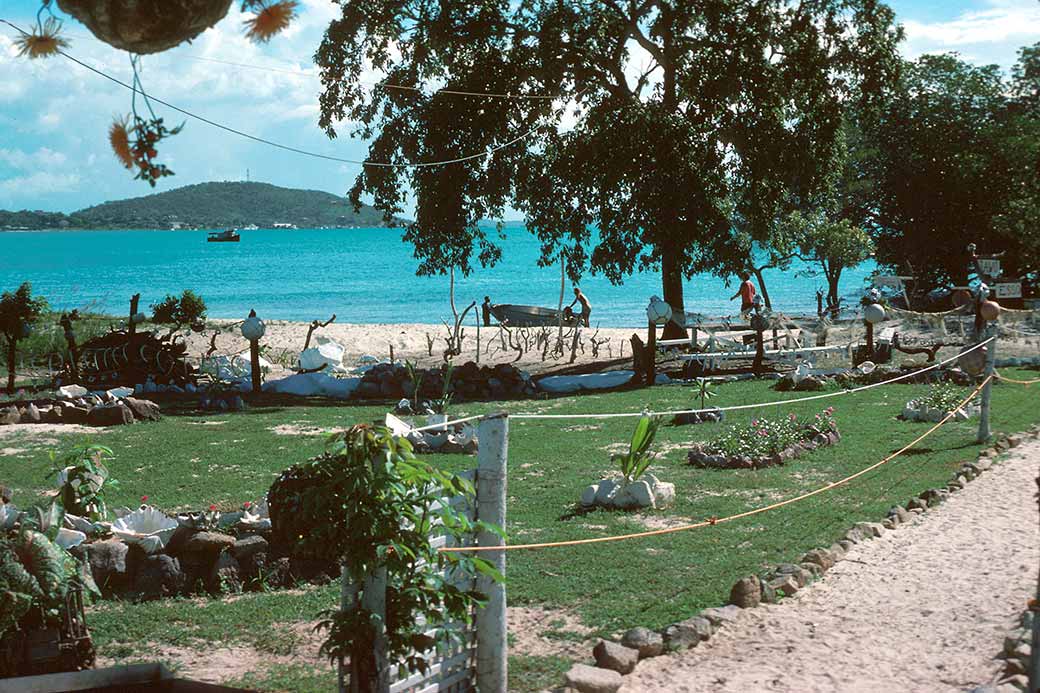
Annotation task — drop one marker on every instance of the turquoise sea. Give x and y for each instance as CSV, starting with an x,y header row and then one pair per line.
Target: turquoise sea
x,y
361,275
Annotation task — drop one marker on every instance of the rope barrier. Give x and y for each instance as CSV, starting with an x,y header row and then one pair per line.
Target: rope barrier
x,y
739,407
360,162
729,518
1013,380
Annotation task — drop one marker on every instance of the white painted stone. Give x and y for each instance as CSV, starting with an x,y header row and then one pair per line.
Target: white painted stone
x,y
588,496
664,494
72,391
606,489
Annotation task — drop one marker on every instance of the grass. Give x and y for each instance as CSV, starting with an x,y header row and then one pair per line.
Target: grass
x,y
189,461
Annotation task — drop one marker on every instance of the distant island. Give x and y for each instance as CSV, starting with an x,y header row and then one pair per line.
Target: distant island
x,y
208,206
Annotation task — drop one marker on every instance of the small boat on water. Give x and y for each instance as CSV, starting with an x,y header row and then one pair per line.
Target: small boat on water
x,y
513,315
229,236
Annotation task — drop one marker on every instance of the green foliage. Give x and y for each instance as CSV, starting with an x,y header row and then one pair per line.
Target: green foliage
x,y
763,437
944,396
19,312
369,503
638,458
187,309
86,480
957,155
733,122
440,405
704,390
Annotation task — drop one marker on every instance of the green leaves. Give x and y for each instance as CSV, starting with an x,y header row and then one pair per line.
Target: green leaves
x,y
369,503
638,458
86,478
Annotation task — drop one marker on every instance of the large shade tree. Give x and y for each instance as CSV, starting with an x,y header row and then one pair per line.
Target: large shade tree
x,y
687,113
957,164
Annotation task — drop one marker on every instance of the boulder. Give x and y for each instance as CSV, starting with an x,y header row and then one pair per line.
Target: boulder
x,y
75,415
768,592
157,576
224,576
746,593
606,489
31,414
688,633
800,574
900,513
72,391
248,546
143,409
785,585
208,544
615,657
821,557
645,641
634,495
588,496
664,494
720,615
107,561
115,414
586,679
871,530
10,416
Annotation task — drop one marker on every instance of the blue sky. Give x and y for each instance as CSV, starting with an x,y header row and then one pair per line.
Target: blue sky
x,y
54,115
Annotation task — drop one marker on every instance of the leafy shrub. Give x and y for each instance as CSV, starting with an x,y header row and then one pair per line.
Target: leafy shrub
x,y
369,503
84,480
763,436
944,396
638,458
187,309
19,312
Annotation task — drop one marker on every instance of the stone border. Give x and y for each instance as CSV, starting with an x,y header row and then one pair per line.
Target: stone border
x,y
698,458
1016,653
614,660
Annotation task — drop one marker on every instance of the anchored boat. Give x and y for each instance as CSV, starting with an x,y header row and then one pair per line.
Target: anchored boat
x,y
229,236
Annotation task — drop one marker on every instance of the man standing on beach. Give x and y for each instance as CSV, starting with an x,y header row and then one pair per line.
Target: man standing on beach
x,y
586,307
485,309
746,293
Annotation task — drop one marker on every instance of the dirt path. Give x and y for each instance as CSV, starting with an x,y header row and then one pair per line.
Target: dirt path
x,y
924,608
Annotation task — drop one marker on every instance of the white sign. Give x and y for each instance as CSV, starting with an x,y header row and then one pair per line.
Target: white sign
x,y
1008,289
990,266
887,281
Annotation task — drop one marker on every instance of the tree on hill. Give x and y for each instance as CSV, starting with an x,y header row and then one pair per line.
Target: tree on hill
x,y
733,105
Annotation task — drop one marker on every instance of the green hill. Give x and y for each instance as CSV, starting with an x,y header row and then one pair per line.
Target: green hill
x,y
208,205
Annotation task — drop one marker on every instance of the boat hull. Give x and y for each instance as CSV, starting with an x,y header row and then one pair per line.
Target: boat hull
x,y
513,315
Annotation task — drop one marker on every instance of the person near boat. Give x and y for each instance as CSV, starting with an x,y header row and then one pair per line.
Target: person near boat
x,y
485,310
586,307
747,294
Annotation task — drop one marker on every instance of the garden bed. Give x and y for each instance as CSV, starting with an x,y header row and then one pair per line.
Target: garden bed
x,y
766,443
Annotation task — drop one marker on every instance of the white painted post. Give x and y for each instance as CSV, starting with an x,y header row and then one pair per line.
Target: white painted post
x,y
991,357
348,682
492,667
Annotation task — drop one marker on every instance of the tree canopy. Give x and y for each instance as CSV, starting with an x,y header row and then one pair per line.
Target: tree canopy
x,y
686,113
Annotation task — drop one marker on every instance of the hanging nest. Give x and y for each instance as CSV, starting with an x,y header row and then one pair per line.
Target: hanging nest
x,y
146,26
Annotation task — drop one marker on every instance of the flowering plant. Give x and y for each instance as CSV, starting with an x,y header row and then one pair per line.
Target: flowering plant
x,y
942,396
763,436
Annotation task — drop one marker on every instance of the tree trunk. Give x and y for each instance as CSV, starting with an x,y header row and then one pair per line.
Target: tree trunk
x,y
12,353
671,279
762,287
832,290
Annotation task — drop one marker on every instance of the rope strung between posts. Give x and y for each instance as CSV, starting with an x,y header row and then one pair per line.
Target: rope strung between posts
x,y
757,405
1003,377
360,162
729,518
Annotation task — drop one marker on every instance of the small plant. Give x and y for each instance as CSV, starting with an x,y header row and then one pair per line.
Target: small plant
x,y
186,310
704,391
638,458
440,405
944,396
83,479
416,378
765,436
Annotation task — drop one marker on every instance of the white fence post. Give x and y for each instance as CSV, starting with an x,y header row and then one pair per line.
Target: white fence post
x,y
492,660
991,357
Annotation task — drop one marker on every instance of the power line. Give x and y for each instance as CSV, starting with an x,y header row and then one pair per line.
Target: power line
x,y
295,150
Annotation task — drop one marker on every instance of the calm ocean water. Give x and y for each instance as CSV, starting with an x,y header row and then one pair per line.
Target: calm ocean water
x,y
361,275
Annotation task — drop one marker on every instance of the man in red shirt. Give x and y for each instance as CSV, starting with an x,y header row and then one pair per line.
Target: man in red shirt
x,y
746,293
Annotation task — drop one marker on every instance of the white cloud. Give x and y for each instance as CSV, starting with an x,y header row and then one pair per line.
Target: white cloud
x,y
30,186
990,35
27,161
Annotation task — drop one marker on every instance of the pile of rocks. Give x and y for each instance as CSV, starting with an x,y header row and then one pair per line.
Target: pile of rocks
x,y
109,408
700,456
614,660
615,494
229,555
468,382
915,410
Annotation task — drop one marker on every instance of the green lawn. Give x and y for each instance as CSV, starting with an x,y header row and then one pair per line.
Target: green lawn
x,y
192,460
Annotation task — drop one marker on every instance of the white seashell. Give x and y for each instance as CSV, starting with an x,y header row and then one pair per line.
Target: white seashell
x,y
147,527
67,538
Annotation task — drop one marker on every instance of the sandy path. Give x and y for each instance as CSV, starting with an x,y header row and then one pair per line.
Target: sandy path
x,y
924,608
